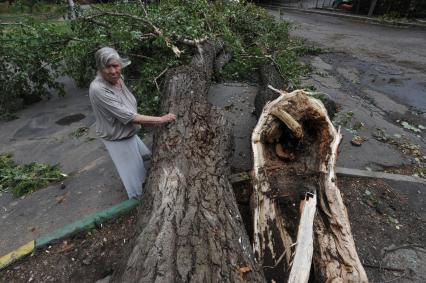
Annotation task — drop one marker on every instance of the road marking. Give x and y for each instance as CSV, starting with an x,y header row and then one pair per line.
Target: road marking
x,y
17,254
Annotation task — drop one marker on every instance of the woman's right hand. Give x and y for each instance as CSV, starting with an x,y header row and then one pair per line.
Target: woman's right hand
x,y
168,118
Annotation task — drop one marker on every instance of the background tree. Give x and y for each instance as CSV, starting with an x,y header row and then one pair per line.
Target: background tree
x,y
36,51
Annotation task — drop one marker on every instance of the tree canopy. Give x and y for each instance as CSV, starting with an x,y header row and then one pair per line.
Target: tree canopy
x,y
154,37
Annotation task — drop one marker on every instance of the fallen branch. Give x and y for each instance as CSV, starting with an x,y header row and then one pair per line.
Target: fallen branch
x,y
155,30
102,13
142,5
159,76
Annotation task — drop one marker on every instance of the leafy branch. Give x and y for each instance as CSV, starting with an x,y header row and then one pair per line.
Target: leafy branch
x,y
27,178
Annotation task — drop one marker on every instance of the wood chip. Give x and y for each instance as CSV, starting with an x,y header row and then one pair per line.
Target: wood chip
x,y
244,269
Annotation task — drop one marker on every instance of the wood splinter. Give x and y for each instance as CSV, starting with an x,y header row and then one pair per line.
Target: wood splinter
x,y
289,121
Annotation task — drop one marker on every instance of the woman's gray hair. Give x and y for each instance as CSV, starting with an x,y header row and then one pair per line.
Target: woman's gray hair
x,y
105,54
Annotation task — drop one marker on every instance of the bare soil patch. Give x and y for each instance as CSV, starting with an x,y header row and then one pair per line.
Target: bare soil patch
x,y
85,257
382,221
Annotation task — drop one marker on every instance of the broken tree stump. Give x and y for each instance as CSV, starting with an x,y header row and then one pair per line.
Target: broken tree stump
x,y
190,226
269,75
296,125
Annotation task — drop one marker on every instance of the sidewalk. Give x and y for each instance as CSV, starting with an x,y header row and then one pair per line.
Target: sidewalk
x,y
45,132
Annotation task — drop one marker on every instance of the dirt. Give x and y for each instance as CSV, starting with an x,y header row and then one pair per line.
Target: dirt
x,y
382,220
382,224
86,257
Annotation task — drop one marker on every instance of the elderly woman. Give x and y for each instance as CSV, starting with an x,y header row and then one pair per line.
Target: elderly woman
x,y
117,120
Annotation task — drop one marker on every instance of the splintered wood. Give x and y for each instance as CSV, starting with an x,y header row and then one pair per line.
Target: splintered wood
x,y
299,216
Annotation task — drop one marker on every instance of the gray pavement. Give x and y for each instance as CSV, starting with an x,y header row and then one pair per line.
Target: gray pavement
x,y
400,46
237,102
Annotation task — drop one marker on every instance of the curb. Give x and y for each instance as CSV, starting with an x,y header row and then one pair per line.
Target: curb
x,y
342,171
86,223
349,16
379,175
17,254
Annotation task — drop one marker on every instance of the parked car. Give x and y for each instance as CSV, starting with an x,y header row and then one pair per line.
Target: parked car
x,y
343,4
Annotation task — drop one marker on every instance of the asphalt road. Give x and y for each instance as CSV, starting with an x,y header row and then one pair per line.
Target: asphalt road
x,y
401,46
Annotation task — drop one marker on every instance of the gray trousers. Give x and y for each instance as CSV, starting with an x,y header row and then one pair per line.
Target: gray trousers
x,y
127,157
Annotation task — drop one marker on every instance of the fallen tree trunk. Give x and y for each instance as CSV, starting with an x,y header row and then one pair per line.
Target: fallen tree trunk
x,y
191,229
295,150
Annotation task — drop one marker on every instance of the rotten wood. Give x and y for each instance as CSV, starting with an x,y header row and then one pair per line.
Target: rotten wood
x,y
307,132
292,124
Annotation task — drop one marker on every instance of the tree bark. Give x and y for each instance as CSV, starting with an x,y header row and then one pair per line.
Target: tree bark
x,y
71,9
191,229
269,75
372,7
295,150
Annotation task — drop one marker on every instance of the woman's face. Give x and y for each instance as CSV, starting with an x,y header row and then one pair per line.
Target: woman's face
x,y
112,72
